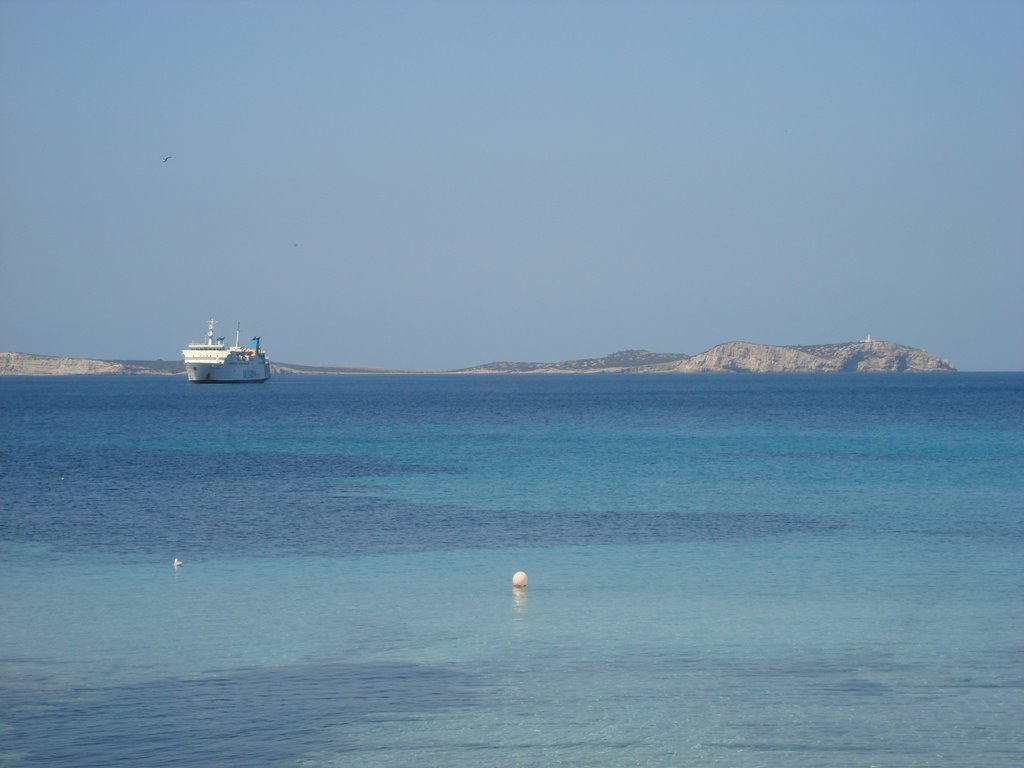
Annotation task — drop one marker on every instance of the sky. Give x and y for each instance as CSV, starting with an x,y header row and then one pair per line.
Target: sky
x,y
435,184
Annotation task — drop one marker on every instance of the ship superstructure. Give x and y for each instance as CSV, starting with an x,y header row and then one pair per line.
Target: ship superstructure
x,y
212,362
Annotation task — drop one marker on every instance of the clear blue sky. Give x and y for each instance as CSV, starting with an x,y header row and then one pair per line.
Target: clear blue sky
x,y
437,184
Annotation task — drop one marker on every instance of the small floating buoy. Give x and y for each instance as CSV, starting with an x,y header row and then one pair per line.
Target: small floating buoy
x,y
519,579
178,563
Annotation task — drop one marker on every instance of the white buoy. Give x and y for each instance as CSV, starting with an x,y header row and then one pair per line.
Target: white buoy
x,y
178,563
519,579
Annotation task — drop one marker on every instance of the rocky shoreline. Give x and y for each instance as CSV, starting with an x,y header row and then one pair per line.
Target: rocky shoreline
x,y
868,356
22,364
743,357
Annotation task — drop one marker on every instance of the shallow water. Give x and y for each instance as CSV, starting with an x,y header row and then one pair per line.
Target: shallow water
x,y
724,570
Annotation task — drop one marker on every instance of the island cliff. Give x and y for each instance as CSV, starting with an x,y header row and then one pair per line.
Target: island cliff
x,y
22,364
734,357
858,357
744,357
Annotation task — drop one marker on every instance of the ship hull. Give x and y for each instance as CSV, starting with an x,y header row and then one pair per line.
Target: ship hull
x,y
227,372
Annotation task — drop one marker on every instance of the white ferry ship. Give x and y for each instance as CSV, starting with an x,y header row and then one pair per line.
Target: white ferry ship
x,y
211,362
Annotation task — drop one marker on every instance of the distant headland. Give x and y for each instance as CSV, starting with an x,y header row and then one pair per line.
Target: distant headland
x,y
868,356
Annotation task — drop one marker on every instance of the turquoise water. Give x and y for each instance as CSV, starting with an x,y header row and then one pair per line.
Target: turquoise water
x,y
724,570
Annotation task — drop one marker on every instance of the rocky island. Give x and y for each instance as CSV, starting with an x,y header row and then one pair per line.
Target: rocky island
x,y
23,364
868,356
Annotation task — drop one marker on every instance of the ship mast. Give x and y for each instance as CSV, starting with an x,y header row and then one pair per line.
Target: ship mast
x,y
209,332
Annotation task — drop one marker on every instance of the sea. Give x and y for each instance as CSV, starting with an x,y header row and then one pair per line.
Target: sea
x,y
724,570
